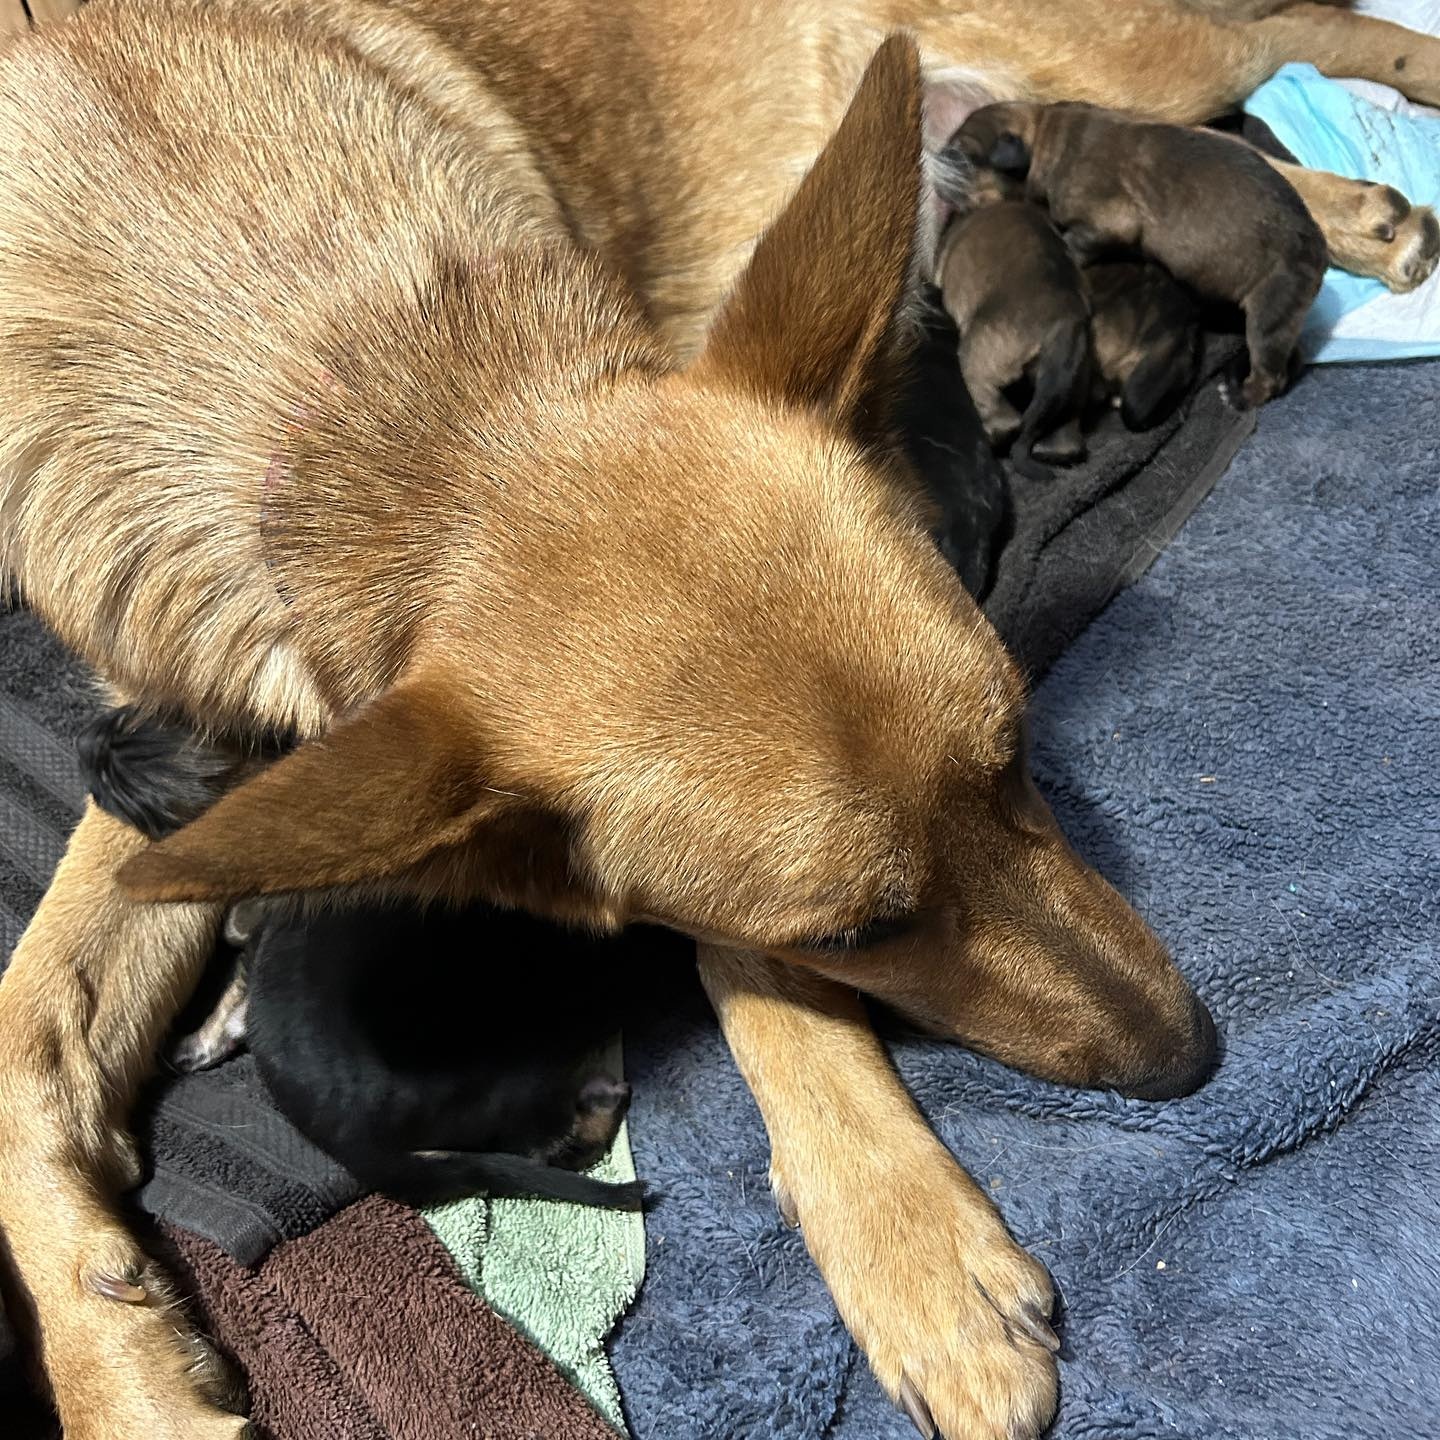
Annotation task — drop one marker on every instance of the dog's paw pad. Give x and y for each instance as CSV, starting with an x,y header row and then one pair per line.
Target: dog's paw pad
x,y
1412,240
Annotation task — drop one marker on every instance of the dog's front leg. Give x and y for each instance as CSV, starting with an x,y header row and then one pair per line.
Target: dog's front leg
x,y
93,984
952,1314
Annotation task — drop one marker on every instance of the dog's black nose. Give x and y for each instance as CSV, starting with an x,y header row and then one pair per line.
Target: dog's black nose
x,y
1190,1066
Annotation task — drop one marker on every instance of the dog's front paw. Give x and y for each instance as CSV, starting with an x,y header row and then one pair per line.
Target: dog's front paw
x,y
952,1314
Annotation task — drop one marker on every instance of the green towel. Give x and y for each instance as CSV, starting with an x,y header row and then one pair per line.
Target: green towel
x,y
562,1273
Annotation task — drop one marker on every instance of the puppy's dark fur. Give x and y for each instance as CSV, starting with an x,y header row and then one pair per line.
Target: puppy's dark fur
x,y
1208,208
1015,296
428,1075
946,444
1145,328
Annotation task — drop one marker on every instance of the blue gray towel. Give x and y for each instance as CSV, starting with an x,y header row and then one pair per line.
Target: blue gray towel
x,y
1246,743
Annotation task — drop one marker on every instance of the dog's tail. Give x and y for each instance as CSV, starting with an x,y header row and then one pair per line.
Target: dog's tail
x,y
1060,383
1163,378
433,1177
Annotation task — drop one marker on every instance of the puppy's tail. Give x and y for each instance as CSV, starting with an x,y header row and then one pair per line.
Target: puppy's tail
x,y
1162,379
1061,381
432,1177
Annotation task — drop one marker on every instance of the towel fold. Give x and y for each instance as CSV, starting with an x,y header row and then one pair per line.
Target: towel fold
x,y
562,1274
364,1330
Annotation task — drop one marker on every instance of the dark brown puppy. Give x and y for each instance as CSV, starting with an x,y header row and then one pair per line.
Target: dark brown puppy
x,y
1016,298
1208,208
1145,331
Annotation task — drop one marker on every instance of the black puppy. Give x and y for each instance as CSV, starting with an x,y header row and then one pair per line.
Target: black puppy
x,y
434,1055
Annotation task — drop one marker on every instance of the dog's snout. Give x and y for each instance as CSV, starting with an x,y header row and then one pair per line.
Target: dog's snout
x,y
1188,1067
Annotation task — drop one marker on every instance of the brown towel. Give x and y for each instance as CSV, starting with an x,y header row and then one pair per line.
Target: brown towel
x,y
364,1330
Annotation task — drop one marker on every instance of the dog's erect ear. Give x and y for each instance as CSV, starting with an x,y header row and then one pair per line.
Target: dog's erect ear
x,y
816,318
378,794
1010,155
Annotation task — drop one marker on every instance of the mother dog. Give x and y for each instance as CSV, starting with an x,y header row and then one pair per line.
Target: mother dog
x,y
412,376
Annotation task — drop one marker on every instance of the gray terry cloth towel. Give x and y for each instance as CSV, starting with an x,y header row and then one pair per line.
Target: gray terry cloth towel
x,y
222,1162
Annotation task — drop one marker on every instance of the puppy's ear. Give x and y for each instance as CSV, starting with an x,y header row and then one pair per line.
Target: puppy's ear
x,y
816,318
1010,155
383,790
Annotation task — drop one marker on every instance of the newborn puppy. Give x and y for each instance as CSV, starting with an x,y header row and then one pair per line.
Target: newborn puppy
x,y
387,1036
1145,330
1015,296
1208,208
441,1054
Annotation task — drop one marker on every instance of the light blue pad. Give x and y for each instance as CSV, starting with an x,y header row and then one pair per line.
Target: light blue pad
x,y
1326,127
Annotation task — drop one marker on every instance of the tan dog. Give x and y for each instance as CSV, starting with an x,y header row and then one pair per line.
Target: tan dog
x,y
1113,183
416,371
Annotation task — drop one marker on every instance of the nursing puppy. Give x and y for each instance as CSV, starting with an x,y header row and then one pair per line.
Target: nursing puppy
x,y
1015,296
428,1077
1145,329
1213,212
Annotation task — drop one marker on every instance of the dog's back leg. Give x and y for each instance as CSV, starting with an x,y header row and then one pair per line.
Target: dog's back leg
x,y
92,986
1370,229
1337,41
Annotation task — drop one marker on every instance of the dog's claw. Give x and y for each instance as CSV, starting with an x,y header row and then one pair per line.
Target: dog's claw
x,y
912,1402
1036,1324
788,1213
116,1287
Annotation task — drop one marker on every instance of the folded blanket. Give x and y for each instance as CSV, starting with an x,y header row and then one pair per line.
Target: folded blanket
x,y
364,1330
1327,126
562,1274
1244,743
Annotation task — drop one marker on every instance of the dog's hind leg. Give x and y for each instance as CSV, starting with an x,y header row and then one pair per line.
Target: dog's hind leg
x,y
1178,64
1370,229
95,980
952,1314
1337,41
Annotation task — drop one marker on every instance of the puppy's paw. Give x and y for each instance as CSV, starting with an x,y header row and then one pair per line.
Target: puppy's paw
x,y
222,1034
952,1314
1232,390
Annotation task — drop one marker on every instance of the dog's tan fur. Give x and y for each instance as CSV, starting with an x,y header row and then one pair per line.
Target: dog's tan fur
x,y
344,353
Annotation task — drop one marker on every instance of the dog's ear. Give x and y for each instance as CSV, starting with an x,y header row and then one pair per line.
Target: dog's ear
x,y
1010,155
816,318
381,792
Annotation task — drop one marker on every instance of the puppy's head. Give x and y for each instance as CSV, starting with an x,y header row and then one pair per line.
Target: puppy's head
x,y
1000,137
741,694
